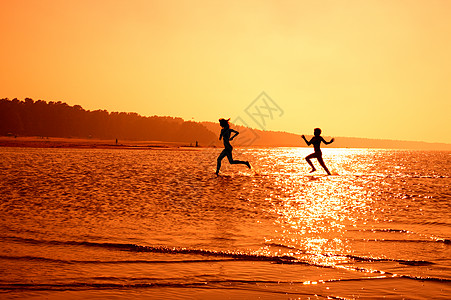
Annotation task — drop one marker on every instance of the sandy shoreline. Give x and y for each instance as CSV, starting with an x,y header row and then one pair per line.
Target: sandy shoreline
x,y
53,142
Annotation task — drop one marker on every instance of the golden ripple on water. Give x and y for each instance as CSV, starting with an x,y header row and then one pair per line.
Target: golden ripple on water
x,y
314,210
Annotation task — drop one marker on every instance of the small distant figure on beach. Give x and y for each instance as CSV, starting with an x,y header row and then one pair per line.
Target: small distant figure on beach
x,y
225,135
316,141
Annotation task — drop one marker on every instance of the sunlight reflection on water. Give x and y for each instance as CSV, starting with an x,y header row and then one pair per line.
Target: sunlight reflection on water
x,y
378,204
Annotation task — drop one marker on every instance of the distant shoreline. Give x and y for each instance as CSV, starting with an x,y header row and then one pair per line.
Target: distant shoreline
x,y
54,142
80,143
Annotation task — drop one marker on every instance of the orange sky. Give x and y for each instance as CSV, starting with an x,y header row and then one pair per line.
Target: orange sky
x,y
376,69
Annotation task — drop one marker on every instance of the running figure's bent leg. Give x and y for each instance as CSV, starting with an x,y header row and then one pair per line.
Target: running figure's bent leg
x,y
234,162
220,157
321,162
308,159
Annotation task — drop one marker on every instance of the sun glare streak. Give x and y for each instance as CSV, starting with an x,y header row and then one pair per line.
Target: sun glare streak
x,y
315,211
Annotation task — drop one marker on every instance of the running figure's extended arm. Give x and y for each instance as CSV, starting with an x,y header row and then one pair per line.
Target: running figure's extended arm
x,y
327,143
307,142
235,134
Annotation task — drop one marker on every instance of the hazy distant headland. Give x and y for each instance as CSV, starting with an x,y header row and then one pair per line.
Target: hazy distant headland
x,y
256,137
43,119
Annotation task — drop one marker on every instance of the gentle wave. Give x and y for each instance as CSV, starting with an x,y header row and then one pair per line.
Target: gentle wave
x,y
438,240
62,261
282,246
376,259
427,239
228,255
357,258
371,271
204,252
383,230
196,284
162,249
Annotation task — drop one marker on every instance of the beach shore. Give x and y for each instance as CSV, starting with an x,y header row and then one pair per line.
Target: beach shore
x,y
54,142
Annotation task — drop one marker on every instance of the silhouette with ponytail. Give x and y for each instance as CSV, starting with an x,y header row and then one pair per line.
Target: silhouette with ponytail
x,y
226,136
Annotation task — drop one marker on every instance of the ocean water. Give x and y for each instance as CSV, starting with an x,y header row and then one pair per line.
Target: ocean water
x,y
158,224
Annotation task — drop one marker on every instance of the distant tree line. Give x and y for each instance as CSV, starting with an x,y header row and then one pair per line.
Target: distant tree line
x,y
58,119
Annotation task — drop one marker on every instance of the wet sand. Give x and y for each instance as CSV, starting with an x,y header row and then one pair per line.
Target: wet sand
x,y
54,142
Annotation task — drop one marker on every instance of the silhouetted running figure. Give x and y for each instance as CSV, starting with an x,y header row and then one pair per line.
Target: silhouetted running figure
x,y
225,135
316,141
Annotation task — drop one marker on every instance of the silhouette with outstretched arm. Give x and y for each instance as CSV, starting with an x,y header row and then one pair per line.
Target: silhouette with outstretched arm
x,y
316,141
225,135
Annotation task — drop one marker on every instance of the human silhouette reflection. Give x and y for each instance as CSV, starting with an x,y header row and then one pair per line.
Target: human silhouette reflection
x,y
316,141
226,136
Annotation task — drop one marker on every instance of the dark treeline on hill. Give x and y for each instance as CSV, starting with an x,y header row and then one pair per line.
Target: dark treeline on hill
x,y
58,119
